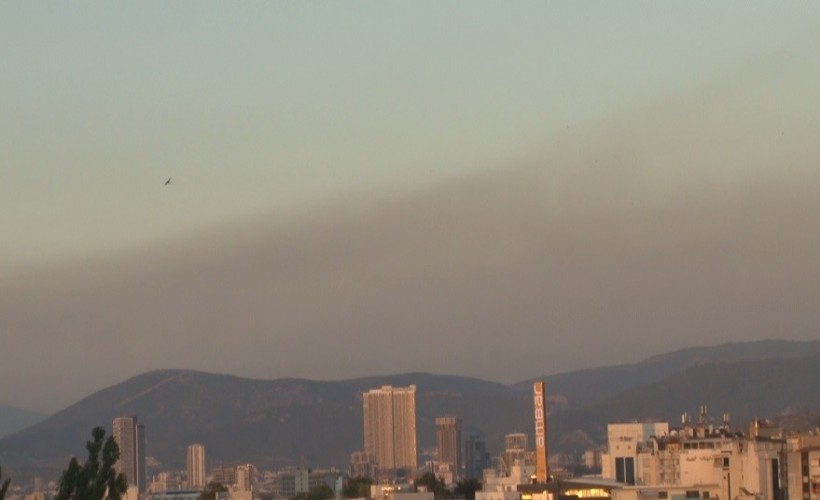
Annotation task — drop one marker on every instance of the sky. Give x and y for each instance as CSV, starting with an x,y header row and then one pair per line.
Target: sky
x,y
500,190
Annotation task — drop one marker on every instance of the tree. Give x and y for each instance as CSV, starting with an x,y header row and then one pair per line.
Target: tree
x,y
97,479
467,488
4,487
357,487
318,492
432,483
211,490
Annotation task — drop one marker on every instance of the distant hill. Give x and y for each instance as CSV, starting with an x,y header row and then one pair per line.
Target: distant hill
x,y
272,423
585,387
13,419
764,388
290,421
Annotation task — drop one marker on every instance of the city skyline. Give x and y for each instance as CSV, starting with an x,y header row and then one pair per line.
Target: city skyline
x,y
745,447
647,455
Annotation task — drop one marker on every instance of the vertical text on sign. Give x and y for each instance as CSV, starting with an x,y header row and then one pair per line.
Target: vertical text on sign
x,y
540,415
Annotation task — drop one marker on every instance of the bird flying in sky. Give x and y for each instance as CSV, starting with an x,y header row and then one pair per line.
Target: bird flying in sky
x,y
168,181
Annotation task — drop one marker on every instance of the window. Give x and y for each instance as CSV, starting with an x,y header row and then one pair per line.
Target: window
x,y
625,470
692,494
705,494
663,495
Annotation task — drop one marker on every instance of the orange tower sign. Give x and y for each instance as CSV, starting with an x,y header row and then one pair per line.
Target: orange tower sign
x,y
540,403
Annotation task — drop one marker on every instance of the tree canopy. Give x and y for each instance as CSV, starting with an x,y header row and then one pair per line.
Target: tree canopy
x,y
432,483
317,492
4,487
357,487
467,488
211,490
97,479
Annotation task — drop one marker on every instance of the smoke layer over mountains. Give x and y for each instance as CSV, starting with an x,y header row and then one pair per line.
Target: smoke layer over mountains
x,y
691,221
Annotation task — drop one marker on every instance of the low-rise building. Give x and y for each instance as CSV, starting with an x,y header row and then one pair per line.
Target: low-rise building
x,y
716,462
803,464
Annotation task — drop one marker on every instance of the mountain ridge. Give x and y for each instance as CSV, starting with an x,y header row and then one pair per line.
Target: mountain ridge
x,y
591,384
291,420
13,419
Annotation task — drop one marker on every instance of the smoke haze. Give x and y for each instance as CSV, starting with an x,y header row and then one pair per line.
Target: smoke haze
x,y
690,221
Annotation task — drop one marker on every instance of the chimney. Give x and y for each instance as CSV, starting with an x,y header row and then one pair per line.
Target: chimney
x,y
540,403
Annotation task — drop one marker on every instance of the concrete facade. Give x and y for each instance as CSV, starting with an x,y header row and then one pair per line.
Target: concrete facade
x,y
390,428
718,463
195,466
130,438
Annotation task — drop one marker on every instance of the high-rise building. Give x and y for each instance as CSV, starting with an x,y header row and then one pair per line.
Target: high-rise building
x,y
224,474
517,441
130,438
515,451
390,428
196,466
448,441
362,464
142,471
476,457
245,477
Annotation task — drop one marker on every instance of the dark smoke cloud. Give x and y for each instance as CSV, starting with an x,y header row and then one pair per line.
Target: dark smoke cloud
x,y
692,221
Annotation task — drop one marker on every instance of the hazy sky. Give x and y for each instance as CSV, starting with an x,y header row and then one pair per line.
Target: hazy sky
x,y
494,189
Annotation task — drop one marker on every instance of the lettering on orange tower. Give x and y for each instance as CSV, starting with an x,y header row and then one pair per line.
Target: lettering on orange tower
x,y
539,402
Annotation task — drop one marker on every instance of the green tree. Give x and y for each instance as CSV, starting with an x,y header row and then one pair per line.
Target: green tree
x,y
317,492
432,483
357,487
211,490
467,488
4,487
97,479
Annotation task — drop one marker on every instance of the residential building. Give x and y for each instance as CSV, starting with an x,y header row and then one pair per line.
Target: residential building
x,y
167,481
516,452
803,463
362,464
331,478
245,477
505,486
390,429
195,466
623,440
448,443
224,474
130,438
699,459
290,482
409,495
176,495
476,457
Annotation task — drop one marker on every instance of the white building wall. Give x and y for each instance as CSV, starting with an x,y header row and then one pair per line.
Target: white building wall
x,y
497,495
697,467
622,442
402,495
739,467
519,474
